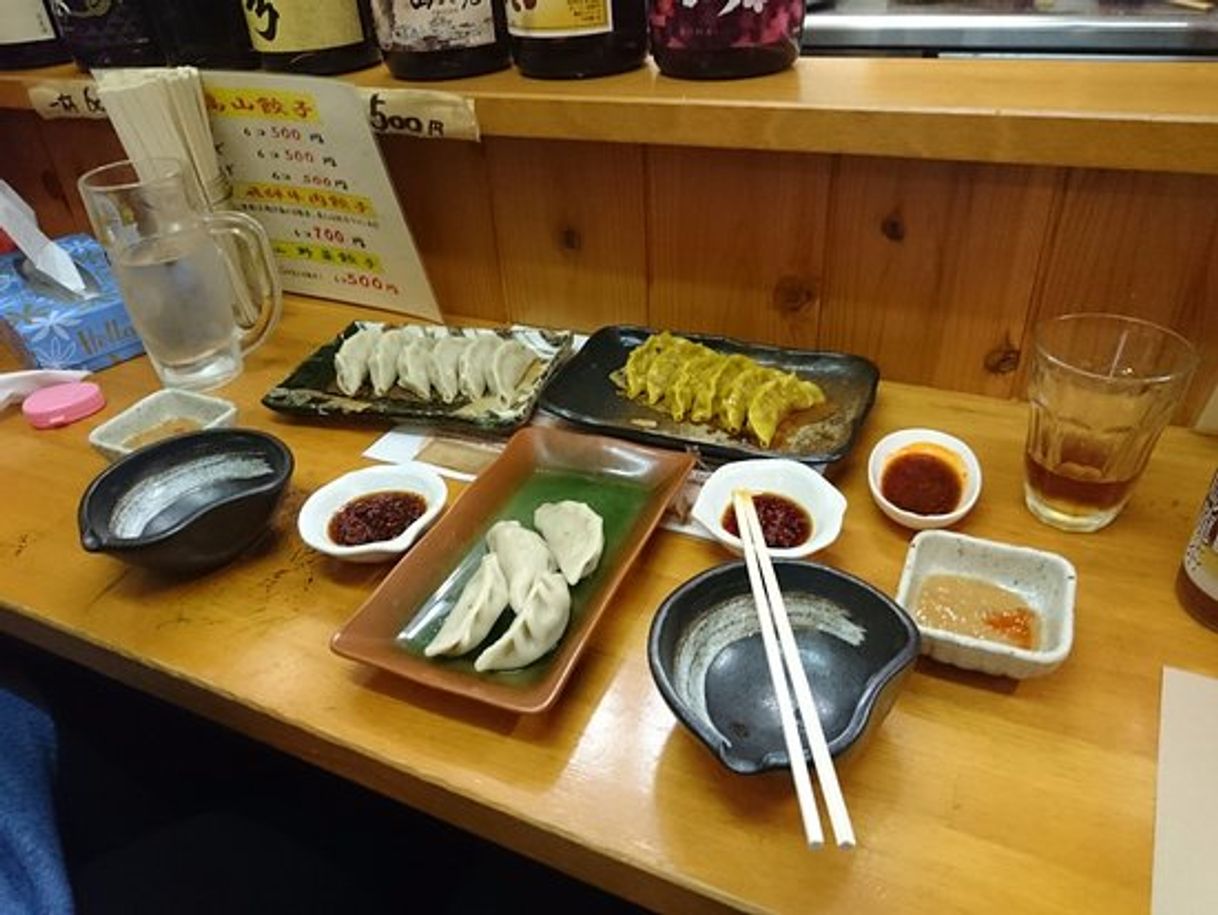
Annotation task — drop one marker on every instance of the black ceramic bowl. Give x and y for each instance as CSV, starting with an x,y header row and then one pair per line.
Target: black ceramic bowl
x,y
189,503
708,660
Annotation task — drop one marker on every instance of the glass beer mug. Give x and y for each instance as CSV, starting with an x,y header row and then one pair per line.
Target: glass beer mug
x,y
201,288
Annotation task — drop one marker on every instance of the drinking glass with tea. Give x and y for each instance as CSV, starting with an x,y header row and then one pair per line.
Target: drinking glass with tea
x,y
1101,389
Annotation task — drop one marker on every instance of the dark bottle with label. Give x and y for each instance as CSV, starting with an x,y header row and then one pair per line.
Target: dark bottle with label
x,y
108,33
572,39
725,39
204,33
442,39
1197,581
28,37
312,36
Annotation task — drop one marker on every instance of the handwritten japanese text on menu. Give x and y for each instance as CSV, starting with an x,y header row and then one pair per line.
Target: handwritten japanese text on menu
x,y
302,160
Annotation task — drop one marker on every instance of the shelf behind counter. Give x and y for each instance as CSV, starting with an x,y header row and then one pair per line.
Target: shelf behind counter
x,y
1153,116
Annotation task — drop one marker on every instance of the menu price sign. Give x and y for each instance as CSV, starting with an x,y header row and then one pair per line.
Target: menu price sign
x,y
423,113
301,160
67,98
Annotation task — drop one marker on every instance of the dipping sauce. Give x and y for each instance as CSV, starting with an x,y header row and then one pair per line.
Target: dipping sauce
x,y
174,425
924,479
975,607
784,523
375,517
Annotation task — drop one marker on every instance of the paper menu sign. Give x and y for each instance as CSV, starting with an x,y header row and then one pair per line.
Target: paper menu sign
x,y
303,162
1186,802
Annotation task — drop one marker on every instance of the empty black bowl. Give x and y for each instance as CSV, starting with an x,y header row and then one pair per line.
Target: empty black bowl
x,y
708,660
189,503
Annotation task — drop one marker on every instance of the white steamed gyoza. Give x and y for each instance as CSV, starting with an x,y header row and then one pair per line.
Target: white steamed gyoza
x,y
351,360
523,555
481,602
536,628
574,533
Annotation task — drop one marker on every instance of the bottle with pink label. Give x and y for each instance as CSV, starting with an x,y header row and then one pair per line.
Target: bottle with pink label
x,y
725,39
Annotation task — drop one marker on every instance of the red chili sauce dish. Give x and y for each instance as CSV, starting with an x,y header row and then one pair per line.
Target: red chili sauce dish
x,y
784,523
375,517
924,479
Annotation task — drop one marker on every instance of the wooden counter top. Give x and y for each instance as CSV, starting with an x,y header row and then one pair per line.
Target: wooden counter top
x,y
975,793
1154,116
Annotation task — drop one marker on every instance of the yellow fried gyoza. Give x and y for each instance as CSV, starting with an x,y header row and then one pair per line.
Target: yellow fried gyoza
x,y
775,400
640,359
664,368
690,381
690,378
736,403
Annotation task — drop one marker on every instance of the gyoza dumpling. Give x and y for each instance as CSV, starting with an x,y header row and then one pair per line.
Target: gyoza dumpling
x,y
351,360
692,375
664,368
575,535
715,386
482,600
735,405
536,629
414,367
475,364
446,358
383,366
523,556
640,359
775,400
508,367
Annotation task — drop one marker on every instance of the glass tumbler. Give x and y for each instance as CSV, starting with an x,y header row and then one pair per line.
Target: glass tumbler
x,y
188,276
1101,389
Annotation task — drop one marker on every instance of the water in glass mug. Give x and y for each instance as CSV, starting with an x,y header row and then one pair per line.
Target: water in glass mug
x,y
180,299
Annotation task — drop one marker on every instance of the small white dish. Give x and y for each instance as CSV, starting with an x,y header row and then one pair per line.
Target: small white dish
x,y
966,464
111,437
313,522
1045,581
825,505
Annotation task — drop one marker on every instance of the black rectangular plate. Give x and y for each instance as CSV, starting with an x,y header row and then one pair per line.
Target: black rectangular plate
x,y
583,393
311,389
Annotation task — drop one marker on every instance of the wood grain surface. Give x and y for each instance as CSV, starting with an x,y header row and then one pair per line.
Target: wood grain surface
x,y
975,794
1093,114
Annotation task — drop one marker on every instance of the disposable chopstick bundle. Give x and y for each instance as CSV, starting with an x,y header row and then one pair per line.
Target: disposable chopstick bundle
x,y
159,112
757,553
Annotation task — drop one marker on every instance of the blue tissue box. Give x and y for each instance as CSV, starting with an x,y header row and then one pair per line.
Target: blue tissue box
x,y
47,327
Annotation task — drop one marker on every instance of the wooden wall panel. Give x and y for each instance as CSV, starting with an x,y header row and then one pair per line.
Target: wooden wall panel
x,y
445,194
930,267
26,164
736,242
77,146
569,219
1141,244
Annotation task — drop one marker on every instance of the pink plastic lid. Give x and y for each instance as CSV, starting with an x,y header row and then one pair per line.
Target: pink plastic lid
x,y
61,404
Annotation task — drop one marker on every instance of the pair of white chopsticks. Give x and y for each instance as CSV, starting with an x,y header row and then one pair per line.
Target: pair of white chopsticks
x,y
776,632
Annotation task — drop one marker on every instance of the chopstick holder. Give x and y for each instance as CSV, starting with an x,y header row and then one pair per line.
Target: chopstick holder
x,y
757,557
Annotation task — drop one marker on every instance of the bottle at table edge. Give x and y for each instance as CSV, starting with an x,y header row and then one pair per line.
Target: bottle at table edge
x,y
320,37
724,39
442,39
108,33
1197,581
28,37
557,39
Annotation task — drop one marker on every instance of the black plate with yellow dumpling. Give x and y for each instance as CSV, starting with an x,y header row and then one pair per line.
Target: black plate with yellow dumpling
x,y
726,398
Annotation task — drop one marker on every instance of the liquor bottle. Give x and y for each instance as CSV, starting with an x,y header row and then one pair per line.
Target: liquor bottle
x,y
1197,582
312,36
556,39
27,36
442,39
204,33
108,33
725,39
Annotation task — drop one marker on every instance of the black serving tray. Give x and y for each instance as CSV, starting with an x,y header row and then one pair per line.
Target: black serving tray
x,y
582,392
311,390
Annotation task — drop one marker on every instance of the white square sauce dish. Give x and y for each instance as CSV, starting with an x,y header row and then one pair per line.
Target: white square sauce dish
x,y
994,607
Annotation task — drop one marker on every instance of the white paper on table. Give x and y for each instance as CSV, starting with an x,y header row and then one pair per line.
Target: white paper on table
x,y
1185,878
